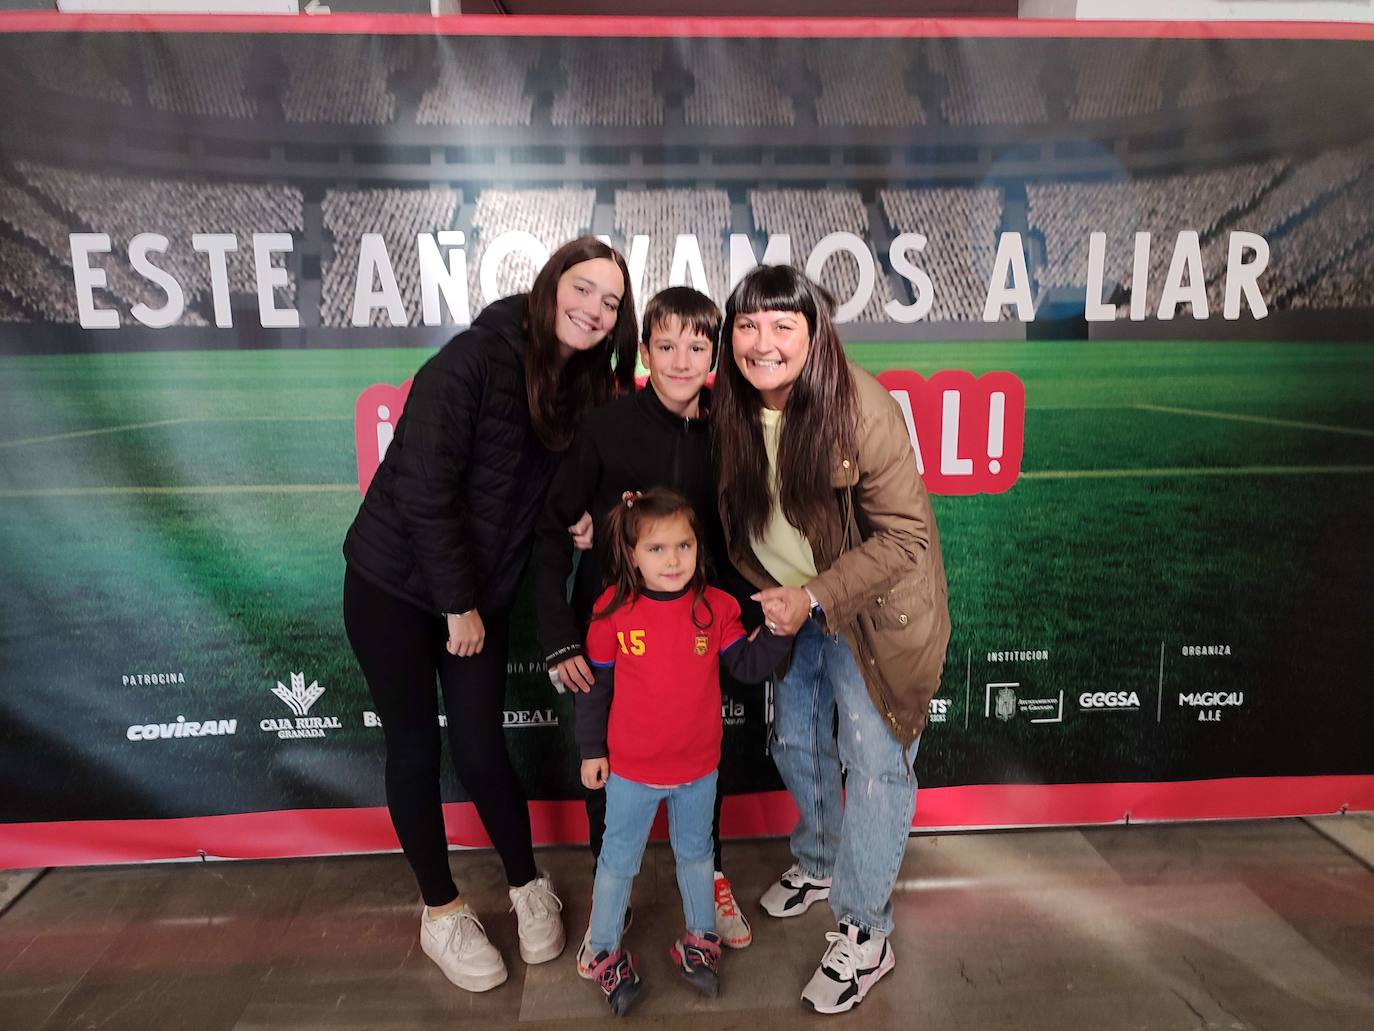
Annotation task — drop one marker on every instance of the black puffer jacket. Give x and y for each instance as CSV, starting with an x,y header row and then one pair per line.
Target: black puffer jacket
x,y
448,519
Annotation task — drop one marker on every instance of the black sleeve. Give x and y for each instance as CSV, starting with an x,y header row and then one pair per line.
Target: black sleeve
x,y
570,494
592,712
436,435
752,662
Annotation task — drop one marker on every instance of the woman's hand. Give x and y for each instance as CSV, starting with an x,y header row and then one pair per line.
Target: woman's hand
x,y
466,634
581,532
785,609
595,772
574,673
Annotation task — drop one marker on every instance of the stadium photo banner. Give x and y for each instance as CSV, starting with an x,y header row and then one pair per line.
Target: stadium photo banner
x,y
1118,278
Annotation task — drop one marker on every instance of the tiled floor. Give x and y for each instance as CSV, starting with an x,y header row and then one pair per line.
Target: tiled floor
x,y
1236,926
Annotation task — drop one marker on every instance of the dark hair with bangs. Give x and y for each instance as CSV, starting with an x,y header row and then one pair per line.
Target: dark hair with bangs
x,y
818,417
691,307
560,397
620,532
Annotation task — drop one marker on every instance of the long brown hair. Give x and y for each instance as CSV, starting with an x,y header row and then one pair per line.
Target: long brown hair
x,y
818,420
560,398
620,532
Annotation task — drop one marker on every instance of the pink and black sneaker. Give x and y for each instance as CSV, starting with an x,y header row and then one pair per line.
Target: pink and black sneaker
x,y
699,960
617,976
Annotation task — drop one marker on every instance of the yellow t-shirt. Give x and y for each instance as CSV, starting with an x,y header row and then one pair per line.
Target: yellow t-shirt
x,y
782,550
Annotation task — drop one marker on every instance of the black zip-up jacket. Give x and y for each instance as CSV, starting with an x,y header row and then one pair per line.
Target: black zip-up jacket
x,y
447,520
632,443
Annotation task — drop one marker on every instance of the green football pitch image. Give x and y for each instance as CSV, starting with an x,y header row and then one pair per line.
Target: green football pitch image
x,y
1189,541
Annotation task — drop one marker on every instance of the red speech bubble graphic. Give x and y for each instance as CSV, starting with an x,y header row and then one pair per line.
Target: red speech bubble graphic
x,y
968,431
374,424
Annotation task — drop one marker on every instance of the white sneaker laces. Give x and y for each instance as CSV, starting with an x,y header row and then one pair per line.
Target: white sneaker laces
x,y
840,957
532,902
460,929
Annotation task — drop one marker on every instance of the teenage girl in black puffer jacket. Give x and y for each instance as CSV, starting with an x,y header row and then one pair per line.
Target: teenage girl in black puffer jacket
x,y
434,558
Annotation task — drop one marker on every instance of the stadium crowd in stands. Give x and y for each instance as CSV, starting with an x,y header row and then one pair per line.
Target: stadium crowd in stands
x,y
608,84
868,87
737,87
807,216
960,226
399,216
552,216
204,75
483,84
664,214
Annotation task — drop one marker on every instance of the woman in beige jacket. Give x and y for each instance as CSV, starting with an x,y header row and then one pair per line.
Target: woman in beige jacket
x,y
825,512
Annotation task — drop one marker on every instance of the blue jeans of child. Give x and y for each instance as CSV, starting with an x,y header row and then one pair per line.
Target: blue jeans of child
x,y
858,841
630,811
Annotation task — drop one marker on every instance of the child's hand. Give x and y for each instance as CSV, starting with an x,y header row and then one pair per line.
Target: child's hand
x,y
595,772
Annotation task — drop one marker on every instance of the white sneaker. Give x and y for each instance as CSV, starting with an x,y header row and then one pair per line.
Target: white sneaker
x,y
794,893
852,964
733,929
536,912
457,941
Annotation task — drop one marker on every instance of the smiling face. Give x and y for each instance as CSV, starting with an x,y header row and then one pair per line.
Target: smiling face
x,y
770,349
678,358
588,302
666,553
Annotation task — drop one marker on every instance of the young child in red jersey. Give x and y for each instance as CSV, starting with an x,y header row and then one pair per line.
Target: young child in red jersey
x,y
657,640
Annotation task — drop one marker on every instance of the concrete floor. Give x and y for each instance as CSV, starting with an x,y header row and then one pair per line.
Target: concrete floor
x,y
1241,925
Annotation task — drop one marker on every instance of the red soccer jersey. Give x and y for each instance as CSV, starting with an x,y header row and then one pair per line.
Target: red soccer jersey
x,y
665,726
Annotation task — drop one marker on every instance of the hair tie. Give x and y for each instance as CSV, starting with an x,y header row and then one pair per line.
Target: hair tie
x,y
628,498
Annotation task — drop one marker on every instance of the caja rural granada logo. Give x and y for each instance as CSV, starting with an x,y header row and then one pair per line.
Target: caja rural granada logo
x,y
967,432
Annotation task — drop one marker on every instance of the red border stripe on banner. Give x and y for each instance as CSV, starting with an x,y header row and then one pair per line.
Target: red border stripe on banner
x,y
301,832
600,25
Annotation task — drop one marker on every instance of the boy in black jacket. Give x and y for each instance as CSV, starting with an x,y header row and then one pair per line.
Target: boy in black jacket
x,y
656,437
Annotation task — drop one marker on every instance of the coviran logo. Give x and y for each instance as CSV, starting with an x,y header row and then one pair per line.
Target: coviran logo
x,y
299,698
522,719
181,728
1109,701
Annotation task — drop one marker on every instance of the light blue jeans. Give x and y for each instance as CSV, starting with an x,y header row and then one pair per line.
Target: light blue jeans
x,y
859,840
630,811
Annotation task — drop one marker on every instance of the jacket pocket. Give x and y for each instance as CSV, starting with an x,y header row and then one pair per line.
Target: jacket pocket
x,y
907,604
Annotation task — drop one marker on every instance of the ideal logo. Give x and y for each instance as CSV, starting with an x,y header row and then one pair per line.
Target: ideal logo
x,y
299,698
523,719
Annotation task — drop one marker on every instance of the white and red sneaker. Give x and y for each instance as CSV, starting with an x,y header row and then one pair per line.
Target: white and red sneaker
x,y
731,925
794,893
852,964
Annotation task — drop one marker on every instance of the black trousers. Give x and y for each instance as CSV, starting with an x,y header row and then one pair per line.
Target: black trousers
x,y
401,650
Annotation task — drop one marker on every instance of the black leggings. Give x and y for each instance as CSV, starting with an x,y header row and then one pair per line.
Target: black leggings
x,y
401,650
